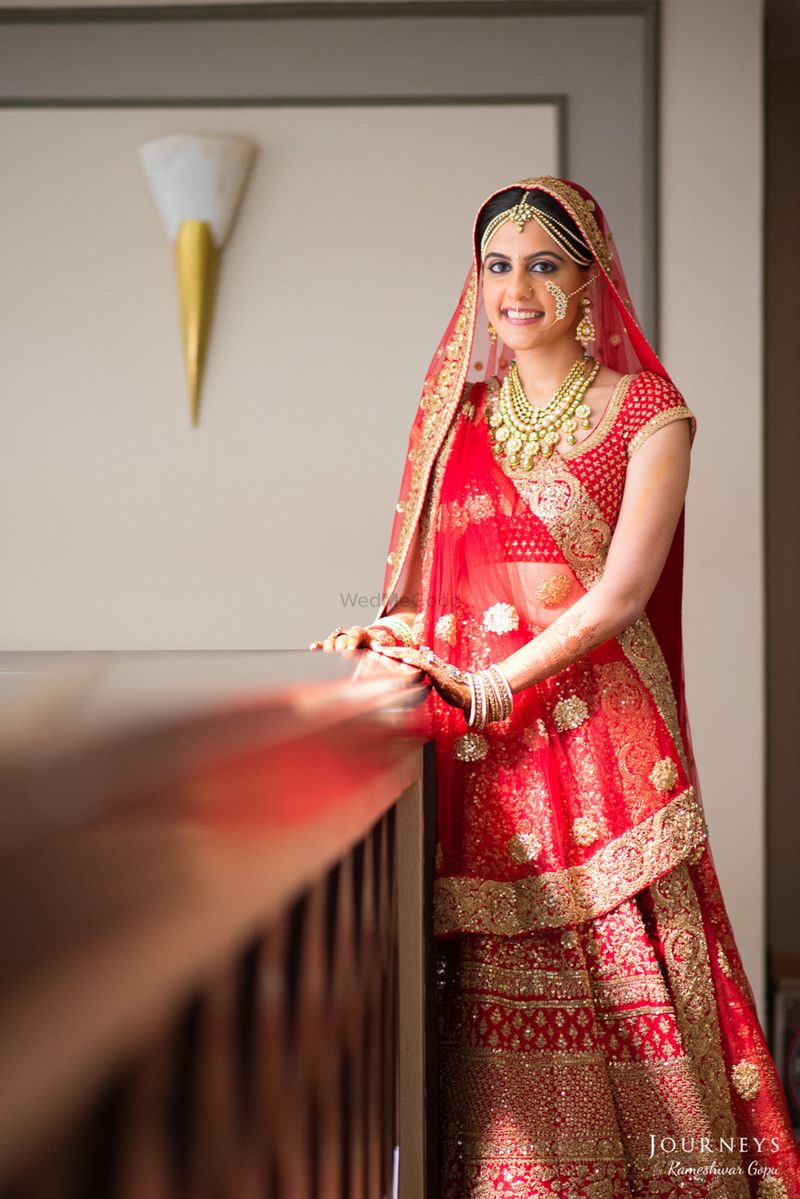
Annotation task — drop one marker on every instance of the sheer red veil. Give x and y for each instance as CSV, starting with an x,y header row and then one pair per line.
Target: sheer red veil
x,y
464,355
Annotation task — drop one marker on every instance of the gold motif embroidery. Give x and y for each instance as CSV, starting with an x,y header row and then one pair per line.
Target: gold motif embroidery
x,y
446,628
569,713
574,521
432,506
696,855
745,1078
680,925
724,964
470,747
439,856
642,650
532,735
479,507
555,898
570,516
572,1035
585,830
523,847
475,508
501,618
664,775
551,592
657,422
418,627
771,1188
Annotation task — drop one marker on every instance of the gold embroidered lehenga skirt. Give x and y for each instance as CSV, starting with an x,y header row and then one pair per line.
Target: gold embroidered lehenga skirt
x,y
619,1058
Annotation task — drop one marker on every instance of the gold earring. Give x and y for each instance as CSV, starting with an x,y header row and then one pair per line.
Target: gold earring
x,y
492,332
585,332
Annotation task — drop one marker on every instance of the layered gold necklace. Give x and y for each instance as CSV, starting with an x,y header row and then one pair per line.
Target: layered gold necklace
x,y
521,431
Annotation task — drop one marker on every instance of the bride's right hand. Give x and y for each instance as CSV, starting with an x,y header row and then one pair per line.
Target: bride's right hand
x,y
340,639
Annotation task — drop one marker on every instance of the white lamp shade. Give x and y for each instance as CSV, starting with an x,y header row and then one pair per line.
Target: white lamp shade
x,y
197,178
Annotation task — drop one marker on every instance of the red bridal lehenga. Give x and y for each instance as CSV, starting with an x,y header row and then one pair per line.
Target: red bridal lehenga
x,y
598,1034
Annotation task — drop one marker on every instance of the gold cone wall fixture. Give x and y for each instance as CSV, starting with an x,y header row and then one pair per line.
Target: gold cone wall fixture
x,y
197,182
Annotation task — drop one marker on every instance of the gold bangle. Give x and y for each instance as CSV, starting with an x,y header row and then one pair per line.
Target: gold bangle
x,y
507,695
480,701
497,702
397,625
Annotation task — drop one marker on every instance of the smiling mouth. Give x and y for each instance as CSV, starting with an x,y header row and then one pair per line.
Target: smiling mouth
x,y
522,314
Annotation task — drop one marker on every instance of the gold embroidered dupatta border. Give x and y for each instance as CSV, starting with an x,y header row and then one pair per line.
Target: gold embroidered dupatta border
x,y
560,897
441,397
680,926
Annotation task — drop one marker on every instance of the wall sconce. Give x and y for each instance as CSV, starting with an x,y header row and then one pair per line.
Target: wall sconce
x,y
197,183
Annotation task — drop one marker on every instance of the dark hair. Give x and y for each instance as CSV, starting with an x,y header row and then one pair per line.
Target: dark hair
x,y
543,201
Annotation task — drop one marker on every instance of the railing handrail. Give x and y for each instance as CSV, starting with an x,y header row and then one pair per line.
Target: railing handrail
x,y
191,824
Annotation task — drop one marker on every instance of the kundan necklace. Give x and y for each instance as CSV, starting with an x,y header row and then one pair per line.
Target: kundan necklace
x,y
521,431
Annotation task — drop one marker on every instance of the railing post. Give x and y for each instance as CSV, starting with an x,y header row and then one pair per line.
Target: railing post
x,y
417,1116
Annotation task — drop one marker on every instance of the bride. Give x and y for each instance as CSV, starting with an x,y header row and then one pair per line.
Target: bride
x,y
598,1034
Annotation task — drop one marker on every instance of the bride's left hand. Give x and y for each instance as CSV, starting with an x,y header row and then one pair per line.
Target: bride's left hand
x,y
451,690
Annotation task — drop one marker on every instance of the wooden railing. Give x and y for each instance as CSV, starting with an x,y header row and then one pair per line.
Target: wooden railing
x,y
215,879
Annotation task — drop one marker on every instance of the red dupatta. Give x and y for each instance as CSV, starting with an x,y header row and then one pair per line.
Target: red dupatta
x,y
462,359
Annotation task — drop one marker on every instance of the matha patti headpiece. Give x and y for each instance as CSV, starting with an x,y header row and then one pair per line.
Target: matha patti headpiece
x,y
521,213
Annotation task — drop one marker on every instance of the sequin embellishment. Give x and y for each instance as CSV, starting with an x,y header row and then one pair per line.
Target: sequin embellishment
x,y
552,591
744,1076
585,830
664,775
569,713
771,1188
446,628
470,747
501,618
535,733
724,964
523,847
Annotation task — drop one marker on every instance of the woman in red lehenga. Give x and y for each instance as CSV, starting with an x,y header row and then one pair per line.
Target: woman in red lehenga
x,y
598,1035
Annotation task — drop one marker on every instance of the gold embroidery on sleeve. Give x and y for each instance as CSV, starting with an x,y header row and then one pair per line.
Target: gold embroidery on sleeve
x,y
657,422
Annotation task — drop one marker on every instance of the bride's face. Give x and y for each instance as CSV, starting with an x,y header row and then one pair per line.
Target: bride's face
x,y
516,267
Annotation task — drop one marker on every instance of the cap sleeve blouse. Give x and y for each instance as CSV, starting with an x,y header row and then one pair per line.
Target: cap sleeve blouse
x,y
650,403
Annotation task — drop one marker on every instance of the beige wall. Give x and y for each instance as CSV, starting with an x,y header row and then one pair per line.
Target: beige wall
x,y
122,527
711,308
